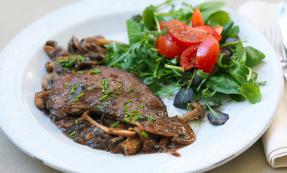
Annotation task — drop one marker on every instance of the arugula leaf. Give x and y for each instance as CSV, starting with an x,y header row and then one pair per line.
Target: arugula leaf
x,y
240,73
230,31
237,97
202,74
208,93
215,100
238,53
251,92
218,18
134,31
223,61
149,18
168,91
222,83
253,56
209,8
182,12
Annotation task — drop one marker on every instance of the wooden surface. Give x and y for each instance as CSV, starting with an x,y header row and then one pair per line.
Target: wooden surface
x,y
14,16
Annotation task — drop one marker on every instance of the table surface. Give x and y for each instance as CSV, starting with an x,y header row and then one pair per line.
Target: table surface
x,y
13,18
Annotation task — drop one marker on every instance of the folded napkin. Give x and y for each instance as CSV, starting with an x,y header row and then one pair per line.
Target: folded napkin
x,y
263,14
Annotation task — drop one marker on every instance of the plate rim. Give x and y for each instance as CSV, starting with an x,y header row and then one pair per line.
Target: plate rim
x,y
64,10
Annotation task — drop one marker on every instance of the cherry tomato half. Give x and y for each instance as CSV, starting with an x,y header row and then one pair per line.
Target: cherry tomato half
x,y
207,54
187,58
210,31
197,19
185,35
167,47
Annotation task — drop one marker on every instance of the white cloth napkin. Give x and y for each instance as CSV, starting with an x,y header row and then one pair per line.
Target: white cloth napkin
x,y
264,15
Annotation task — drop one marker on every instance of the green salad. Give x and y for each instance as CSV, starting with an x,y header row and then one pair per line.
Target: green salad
x,y
191,52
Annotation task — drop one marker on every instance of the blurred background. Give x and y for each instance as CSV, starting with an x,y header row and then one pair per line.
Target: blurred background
x,y
16,15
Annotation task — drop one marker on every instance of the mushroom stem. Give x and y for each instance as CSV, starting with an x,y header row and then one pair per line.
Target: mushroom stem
x,y
113,131
195,114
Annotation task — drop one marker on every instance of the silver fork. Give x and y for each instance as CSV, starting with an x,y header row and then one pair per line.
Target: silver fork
x,y
273,34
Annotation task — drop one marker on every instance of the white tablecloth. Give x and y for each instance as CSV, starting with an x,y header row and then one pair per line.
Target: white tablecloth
x,y
15,15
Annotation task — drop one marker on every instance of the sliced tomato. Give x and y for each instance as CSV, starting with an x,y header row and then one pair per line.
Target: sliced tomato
x,y
187,58
218,29
167,47
185,35
207,54
210,31
197,19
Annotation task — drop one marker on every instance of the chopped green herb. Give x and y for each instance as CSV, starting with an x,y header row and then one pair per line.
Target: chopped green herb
x,y
77,122
95,71
107,94
137,117
70,61
74,89
78,97
104,85
126,105
72,134
143,134
100,108
115,124
133,115
142,106
150,118
126,119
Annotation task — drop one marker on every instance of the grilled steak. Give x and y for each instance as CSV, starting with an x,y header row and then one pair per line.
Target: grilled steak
x,y
103,107
112,92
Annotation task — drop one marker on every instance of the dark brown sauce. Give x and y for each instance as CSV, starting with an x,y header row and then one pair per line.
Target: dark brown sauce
x,y
174,152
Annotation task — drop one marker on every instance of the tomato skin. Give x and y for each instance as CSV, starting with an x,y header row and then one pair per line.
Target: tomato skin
x,y
210,31
187,58
185,35
207,54
167,47
197,19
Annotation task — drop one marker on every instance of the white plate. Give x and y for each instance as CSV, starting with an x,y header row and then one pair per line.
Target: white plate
x,y
22,65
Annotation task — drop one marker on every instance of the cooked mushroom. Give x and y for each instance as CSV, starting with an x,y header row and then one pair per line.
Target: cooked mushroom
x,y
47,81
195,114
109,130
40,98
131,146
53,50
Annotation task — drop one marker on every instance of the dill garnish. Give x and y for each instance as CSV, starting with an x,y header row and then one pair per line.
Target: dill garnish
x,y
78,96
72,134
115,124
95,71
143,134
70,61
150,118
74,90
107,94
